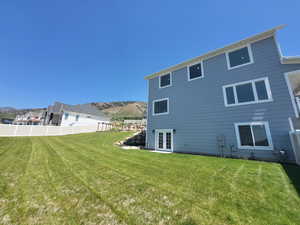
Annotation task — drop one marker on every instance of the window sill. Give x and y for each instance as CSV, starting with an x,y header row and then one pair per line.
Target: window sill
x,y
250,148
239,66
170,85
160,114
195,78
249,103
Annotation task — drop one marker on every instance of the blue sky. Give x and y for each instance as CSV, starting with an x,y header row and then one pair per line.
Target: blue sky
x,y
79,51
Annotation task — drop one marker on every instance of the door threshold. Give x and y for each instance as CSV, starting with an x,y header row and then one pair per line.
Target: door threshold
x,y
159,151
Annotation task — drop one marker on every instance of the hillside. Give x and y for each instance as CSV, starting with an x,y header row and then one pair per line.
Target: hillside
x,y
123,110
116,110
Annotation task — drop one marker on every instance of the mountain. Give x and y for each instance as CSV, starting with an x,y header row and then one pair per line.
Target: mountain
x,y
116,110
123,109
7,109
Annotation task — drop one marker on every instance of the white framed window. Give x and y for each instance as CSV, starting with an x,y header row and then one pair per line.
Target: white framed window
x,y
239,57
160,107
66,116
253,135
195,71
165,80
247,92
164,139
77,118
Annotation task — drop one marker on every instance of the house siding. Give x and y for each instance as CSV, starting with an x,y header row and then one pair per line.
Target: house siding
x,y
198,114
83,120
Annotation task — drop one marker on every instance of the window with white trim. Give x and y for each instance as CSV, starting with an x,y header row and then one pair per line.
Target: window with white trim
x,y
66,116
164,139
161,106
254,135
195,71
247,92
239,57
77,118
165,80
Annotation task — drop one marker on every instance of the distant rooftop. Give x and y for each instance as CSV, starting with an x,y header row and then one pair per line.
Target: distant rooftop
x,y
88,109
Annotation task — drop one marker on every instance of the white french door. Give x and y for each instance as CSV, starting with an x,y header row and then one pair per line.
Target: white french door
x,y
164,140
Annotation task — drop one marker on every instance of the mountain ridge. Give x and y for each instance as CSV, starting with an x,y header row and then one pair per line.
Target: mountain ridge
x,y
117,110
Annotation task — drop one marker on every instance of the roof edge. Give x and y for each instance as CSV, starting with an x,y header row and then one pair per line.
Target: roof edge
x,y
251,39
290,60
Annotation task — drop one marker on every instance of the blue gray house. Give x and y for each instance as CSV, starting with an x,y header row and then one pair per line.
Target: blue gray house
x,y
239,100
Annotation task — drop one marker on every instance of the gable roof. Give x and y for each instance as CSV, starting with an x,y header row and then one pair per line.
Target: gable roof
x,y
257,37
88,109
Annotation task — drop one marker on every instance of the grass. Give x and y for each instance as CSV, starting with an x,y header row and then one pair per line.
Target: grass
x,y
85,179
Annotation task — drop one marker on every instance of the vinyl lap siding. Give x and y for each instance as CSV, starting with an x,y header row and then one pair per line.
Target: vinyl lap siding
x,y
197,110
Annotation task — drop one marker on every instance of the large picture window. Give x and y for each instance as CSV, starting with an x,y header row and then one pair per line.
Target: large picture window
x,y
165,80
248,92
161,106
254,135
239,57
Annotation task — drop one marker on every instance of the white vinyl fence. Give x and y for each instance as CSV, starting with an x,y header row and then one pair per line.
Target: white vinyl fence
x,y
28,130
295,139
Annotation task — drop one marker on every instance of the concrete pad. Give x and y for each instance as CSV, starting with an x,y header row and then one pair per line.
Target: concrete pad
x,y
163,152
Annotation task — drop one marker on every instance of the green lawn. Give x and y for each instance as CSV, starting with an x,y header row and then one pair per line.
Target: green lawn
x,y
85,179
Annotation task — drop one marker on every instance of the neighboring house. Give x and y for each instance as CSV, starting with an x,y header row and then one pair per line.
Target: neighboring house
x,y
61,114
29,118
237,100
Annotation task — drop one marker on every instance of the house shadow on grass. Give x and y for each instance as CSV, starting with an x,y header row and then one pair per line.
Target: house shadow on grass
x,y
293,172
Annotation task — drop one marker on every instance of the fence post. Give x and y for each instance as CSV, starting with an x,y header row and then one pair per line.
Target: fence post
x,y
30,132
15,131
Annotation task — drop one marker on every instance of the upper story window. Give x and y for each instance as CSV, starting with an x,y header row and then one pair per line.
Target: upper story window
x,y
239,57
66,116
165,80
161,106
253,135
248,92
77,118
195,71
